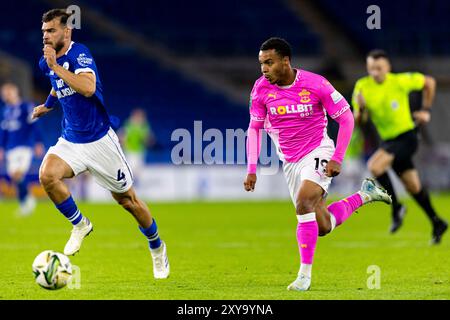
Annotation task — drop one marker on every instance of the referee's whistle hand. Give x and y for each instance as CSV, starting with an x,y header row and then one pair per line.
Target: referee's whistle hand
x,y
332,168
250,182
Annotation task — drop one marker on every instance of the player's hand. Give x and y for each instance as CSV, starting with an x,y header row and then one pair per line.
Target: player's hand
x,y
39,150
421,117
39,111
332,168
50,55
361,101
362,114
250,182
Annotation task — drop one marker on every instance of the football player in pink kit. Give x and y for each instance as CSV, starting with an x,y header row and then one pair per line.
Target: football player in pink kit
x,y
292,106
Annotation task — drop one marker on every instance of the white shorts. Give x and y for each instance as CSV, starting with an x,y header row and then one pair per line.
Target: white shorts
x,y
311,167
18,160
103,158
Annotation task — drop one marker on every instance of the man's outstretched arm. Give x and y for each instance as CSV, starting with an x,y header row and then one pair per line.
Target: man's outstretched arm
x,y
45,108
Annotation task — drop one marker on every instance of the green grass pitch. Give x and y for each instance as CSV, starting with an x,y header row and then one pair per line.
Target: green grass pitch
x,y
228,250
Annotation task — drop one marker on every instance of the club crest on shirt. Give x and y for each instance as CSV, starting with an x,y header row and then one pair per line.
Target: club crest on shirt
x,y
305,96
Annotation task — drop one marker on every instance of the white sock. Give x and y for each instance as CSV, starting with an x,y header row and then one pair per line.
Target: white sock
x,y
305,269
82,222
364,197
333,221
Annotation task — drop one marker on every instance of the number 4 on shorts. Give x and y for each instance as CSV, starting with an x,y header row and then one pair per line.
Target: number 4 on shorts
x,y
121,176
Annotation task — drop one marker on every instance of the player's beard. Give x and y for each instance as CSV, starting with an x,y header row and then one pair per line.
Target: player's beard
x,y
58,46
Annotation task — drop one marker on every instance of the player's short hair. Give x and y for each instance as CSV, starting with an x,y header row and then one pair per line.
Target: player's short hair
x,y
281,46
56,13
377,54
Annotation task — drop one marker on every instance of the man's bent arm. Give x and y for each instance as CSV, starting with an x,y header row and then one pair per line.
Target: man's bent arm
x,y
83,83
429,90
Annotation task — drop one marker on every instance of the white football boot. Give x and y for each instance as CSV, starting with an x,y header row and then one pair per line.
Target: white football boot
x,y
370,192
302,283
79,232
161,267
27,208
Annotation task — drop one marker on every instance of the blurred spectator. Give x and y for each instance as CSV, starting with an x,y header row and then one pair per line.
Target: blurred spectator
x,y
137,136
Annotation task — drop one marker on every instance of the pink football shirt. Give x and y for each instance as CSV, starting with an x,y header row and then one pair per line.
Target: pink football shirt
x,y
295,116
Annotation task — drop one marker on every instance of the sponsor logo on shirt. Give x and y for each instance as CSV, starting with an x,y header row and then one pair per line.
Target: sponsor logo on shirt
x,y
272,95
337,114
63,92
336,96
394,104
83,60
257,118
303,110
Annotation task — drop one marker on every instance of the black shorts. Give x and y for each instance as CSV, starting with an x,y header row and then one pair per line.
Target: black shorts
x,y
403,148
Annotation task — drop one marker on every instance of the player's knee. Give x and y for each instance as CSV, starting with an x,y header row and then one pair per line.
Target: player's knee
x,y
17,177
47,178
413,188
375,169
128,203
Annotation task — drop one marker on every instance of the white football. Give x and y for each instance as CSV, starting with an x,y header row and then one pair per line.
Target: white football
x,y
52,270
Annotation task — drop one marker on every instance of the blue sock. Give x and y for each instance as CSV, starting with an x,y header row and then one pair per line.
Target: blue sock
x,y
22,190
69,209
152,235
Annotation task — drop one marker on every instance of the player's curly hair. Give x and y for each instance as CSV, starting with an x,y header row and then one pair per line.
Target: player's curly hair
x,y
281,46
56,13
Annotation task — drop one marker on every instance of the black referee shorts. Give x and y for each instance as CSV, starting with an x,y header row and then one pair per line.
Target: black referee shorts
x,y
403,147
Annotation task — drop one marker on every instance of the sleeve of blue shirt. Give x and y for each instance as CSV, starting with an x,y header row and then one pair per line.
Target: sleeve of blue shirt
x,y
82,60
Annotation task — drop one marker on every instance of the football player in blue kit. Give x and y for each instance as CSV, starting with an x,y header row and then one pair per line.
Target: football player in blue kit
x,y
88,142
19,134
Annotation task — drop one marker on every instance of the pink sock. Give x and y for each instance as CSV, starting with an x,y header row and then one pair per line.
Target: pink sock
x,y
307,233
343,209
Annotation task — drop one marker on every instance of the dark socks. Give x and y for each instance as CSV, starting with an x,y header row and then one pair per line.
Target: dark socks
x,y
386,183
423,199
22,190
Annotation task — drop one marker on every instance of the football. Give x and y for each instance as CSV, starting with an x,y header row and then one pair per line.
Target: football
x,y
52,270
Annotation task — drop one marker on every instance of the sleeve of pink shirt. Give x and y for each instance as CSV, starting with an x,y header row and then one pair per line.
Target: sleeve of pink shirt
x,y
339,110
258,114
